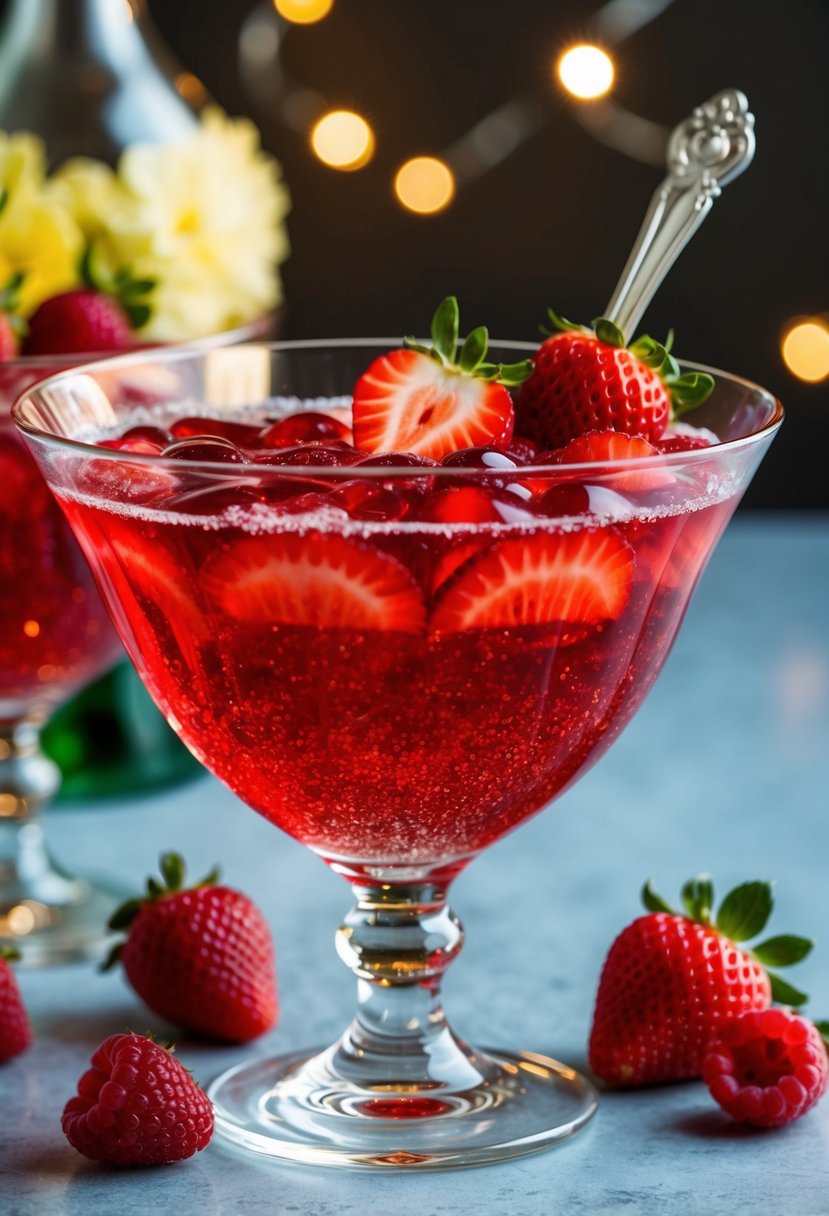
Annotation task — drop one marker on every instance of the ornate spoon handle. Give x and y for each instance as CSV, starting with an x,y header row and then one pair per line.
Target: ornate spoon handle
x,y
705,152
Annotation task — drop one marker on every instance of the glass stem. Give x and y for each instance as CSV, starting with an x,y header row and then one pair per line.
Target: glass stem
x,y
399,940
28,878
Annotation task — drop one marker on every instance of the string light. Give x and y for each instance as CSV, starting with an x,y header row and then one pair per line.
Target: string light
x,y
303,12
805,350
586,71
343,140
425,185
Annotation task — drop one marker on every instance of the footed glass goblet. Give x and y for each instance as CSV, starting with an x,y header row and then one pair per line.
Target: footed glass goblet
x,y
394,661
55,637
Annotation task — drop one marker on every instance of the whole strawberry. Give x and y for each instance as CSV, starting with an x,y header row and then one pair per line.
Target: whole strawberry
x,y
589,380
201,957
81,321
15,1029
767,1068
671,981
137,1105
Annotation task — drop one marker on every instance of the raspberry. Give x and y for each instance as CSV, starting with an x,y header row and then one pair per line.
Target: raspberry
x,y
15,1029
137,1105
767,1068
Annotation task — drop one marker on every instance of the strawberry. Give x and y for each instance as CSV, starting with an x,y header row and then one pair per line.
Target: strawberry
x,y
12,325
575,577
80,321
669,444
200,957
15,1029
767,1068
671,982
8,339
588,380
430,400
601,447
327,581
137,1105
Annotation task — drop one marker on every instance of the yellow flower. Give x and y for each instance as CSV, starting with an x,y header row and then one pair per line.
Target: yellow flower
x,y
90,191
22,166
38,238
204,220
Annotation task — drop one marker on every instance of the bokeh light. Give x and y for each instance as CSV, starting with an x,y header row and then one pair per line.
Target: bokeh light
x,y
805,349
343,140
303,12
424,185
586,71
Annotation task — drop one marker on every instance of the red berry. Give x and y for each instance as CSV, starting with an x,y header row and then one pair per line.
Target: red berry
x,y
432,401
81,321
670,983
9,342
201,958
574,578
611,447
311,455
321,580
583,384
137,1105
15,1029
767,1068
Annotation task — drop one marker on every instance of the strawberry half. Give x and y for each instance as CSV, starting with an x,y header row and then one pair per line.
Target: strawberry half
x,y
589,380
579,577
600,447
327,581
423,400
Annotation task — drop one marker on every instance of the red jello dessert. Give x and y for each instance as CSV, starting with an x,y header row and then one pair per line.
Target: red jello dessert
x,y
397,633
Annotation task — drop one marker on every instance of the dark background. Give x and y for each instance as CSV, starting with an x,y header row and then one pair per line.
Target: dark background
x,y
553,223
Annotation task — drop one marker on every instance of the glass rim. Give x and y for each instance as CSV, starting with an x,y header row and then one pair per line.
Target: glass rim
x,y
180,351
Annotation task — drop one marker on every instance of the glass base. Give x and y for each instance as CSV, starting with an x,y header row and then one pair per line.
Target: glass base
x,y
297,1108
57,919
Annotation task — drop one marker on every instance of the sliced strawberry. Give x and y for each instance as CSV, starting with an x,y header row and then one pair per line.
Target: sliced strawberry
x,y
582,577
432,400
409,402
327,581
604,446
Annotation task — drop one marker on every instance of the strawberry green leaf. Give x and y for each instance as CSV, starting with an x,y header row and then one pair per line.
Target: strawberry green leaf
x,y
511,374
474,350
138,287
212,878
608,332
125,915
782,951
9,953
113,957
172,870
561,324
785,993
744,911
823,1030
4,198
698,898
139,314
654,902
689,391
445,324
155,889
669,341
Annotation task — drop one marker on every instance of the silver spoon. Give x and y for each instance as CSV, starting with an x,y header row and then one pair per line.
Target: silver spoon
x,y
705,152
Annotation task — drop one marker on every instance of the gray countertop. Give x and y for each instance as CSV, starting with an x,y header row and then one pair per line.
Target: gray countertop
x,y
726,769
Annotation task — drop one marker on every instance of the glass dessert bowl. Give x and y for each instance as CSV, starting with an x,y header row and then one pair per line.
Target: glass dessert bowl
x,y
55,637
394,660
